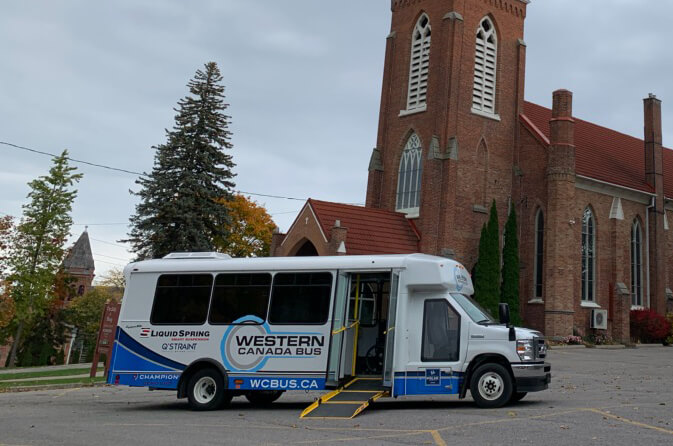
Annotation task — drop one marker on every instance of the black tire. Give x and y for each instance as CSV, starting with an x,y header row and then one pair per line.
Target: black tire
x,y
517,396
374,360
205,390
263,397
491,386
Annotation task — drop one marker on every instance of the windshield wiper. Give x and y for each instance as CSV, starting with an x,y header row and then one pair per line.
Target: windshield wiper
x,y
485,322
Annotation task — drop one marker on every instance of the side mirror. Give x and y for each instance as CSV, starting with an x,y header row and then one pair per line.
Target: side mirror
x,y
503,310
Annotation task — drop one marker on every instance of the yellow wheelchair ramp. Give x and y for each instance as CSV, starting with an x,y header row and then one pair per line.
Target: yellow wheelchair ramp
x,y
347,401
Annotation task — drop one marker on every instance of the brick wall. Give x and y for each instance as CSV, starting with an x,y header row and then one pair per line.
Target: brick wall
x,y
447,217
305,229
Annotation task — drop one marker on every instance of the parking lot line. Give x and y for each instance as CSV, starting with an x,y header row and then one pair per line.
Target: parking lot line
x,y
382,433
635,423
510,419
439,441
65,392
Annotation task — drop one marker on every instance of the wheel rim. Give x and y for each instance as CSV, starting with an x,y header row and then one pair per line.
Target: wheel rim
x,y
491,386
204,390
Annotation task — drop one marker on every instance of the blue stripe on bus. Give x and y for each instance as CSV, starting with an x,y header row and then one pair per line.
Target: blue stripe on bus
x,y
129,356
419,386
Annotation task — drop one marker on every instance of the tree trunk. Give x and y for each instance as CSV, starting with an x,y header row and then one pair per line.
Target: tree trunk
x,y
15,346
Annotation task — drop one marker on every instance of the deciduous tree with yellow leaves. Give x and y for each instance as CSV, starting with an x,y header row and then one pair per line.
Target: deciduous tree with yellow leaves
x,y
250,230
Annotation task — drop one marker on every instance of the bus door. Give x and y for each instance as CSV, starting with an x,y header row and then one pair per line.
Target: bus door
x,y
340,311
388,371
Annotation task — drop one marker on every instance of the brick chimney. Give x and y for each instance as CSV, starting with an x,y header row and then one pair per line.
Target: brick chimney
x,y
560,251
337,242
655,178
276,239
562,135
653,150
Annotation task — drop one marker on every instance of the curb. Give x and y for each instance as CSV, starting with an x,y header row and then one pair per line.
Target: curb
x,y
51,387
610,347
652,346
566,347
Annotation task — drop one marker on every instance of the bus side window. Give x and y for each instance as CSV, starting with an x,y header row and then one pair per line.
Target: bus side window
x,y
441,331
239,295
181,299
300,298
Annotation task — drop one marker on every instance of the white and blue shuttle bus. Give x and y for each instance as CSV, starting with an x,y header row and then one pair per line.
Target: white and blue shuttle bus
x,y
212,328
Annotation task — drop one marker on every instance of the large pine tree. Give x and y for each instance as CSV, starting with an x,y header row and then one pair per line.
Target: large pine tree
x,y
487,269
510,268
181,207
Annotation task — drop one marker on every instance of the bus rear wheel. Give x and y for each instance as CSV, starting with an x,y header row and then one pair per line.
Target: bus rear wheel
x,y
263,397
205,390
491,386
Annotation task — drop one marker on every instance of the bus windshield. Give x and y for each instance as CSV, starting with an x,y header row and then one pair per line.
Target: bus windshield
x,y
473,309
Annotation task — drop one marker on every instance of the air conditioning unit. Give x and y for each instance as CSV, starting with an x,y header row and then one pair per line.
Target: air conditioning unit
x,y
599,319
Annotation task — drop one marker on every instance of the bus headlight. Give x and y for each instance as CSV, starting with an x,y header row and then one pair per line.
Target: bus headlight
x,y
526,350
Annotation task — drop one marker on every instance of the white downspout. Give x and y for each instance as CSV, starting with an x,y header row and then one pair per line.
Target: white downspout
x,y
647,246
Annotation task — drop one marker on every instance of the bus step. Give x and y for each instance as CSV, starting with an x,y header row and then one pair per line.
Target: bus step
x,y
347,401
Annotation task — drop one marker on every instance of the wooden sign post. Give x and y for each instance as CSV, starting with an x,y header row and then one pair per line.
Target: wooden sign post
x,y
106,336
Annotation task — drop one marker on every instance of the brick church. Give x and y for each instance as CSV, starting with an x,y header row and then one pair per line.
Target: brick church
x,y
455,133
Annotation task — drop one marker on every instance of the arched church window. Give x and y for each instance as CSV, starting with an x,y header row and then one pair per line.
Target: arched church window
x,y
485,68
636,264
588,255
409,179
539,254
420,63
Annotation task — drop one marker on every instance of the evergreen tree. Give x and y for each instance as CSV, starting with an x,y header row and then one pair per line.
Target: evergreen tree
x,y
180,207
480,267
510,268
38,248
487,269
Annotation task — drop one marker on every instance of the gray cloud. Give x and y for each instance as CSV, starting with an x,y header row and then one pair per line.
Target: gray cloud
x,y
303,79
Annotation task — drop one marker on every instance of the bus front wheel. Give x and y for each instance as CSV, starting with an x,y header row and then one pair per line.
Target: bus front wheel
x,y
205,390
491,386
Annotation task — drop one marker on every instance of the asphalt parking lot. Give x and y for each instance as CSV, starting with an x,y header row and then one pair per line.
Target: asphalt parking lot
x,y
616,397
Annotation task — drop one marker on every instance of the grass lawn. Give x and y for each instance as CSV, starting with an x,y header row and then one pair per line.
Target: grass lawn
x,y
8,385
46,373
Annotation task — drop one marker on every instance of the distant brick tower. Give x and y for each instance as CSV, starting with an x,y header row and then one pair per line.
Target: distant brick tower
x,y
448,127
80,265
654,174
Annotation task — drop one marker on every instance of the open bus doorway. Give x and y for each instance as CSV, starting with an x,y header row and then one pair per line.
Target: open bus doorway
x,y
369,299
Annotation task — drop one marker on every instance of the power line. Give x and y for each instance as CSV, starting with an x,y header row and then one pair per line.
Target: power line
x,y
99,224
117,169
102,166
110,257
269,196
109,243
112,263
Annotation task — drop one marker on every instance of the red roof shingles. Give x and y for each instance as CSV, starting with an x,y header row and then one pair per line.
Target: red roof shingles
x,y
370,230
604,154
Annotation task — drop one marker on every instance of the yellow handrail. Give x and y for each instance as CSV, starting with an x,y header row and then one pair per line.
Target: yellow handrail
x,y
346,328
356,316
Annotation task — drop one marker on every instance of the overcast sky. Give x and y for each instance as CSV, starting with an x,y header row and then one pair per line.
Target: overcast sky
x,y
302,77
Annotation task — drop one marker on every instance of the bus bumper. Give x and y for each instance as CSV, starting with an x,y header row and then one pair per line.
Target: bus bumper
x,y
531,377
